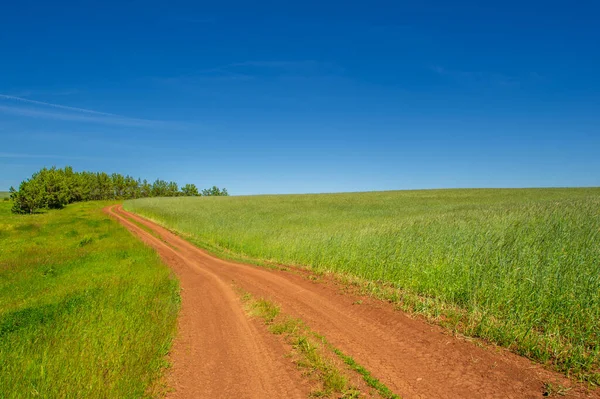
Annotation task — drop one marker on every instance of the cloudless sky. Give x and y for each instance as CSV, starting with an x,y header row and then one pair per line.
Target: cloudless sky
x,y
304,96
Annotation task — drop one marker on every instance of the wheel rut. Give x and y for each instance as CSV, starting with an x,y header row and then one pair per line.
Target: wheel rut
x,y
218,352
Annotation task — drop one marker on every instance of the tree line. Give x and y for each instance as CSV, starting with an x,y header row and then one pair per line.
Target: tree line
x,y
54,188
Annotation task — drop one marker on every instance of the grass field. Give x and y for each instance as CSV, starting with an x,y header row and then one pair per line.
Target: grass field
x,y
520,267
4,194
86,310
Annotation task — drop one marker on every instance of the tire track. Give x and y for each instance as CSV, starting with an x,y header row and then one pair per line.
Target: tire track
x,y
219,352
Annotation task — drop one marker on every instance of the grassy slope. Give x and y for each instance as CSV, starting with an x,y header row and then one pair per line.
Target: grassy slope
x,y
519,267
86,310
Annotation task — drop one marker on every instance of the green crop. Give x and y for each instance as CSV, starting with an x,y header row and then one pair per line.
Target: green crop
x,y
522,266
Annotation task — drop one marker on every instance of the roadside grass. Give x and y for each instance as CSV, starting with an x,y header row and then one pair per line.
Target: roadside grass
x,y
313,353
371,381
86,310
518,267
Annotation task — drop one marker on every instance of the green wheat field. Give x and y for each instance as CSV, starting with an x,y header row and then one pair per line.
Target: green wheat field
x,y
518,267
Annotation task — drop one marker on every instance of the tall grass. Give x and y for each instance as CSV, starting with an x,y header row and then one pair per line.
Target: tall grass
x,y
86,310
522,266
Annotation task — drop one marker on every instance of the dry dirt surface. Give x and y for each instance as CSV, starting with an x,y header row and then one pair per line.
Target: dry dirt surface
x,y
221,353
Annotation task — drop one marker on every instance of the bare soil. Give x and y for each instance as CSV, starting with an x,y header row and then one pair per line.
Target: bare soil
x,y
220,353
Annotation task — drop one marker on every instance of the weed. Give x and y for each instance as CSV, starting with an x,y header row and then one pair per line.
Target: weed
x,y
371,381
555,390
264,309
86,241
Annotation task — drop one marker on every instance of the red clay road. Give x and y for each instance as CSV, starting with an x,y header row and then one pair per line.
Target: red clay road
x,y
220,353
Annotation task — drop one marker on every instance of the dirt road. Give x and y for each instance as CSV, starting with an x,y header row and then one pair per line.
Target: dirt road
x,y
220,353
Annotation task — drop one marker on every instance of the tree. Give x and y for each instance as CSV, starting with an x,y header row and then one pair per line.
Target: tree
x,y
118,184
190,190
30,198
132,188
47,188
104,187
55,188
73,184
214,191
172,189
159,188
84,186
146,189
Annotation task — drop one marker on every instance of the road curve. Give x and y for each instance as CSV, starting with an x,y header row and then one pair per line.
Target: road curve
x,y
219,353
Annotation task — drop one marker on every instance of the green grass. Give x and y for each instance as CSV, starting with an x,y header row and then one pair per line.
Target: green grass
x,y
4,194
371,381
520,267
86,310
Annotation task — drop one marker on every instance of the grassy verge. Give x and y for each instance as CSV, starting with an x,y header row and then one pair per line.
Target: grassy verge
x,y
86,310
314,354
520,268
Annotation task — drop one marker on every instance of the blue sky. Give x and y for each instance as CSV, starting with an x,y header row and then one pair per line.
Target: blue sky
x,y
292,97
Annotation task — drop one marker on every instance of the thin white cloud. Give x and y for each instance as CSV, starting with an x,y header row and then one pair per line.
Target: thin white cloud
x,y
40,109
81,117
64,107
